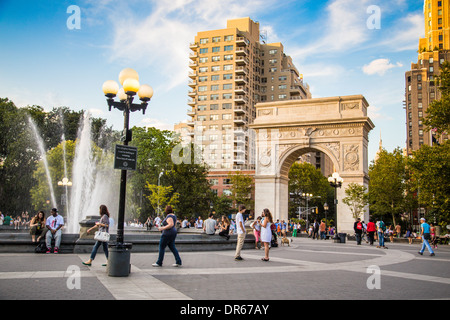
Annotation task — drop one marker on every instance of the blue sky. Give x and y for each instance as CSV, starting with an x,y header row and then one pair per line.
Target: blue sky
x,y
43,62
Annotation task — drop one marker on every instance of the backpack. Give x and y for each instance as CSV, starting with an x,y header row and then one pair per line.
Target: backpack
x,y
41,248
359,226
382,226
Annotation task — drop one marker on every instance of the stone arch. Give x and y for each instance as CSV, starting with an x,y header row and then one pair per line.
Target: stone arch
x,y
337,126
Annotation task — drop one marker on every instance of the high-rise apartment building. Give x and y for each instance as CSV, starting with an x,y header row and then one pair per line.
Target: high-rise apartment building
x,y
421,88
232,70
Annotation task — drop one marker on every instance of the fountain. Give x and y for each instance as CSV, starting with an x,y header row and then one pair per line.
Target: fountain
x,y
41,147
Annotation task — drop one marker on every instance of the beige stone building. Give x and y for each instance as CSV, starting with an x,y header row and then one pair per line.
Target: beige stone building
x,y
231,71
421,88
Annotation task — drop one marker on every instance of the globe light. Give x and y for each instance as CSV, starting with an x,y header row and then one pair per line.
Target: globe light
x,y
145,92
110,88
128,73
122,95
131,86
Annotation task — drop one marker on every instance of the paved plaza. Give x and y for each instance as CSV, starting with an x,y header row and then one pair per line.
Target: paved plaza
x,y
307,270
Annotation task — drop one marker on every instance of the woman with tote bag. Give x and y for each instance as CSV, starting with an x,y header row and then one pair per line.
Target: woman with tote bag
x,y
102,235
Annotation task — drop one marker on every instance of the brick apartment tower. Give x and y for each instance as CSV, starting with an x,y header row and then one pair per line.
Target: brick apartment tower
x,y
232,70
421,88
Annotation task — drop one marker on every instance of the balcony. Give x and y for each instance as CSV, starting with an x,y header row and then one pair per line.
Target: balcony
x,y
239,110
240,99
241,70
193,45
192,93
241,41
242,51
191,123
191,102
193,55
241,61
240,90
192,74
238,132
239,160
190,112
240,80
192,83
239,120
193,64
239,149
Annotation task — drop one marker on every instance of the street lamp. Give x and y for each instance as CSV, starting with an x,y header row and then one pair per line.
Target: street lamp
x,y
65,182
336,182
129,79
325,208
307,196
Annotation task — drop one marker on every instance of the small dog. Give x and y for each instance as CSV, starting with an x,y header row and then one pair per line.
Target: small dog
x,y
285,240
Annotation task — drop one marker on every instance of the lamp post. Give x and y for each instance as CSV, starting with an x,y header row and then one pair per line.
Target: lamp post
x,y
129,79
65,182
336,182
307,196
159,184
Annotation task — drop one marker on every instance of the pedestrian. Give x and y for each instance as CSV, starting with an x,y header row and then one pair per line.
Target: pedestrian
x,y
358,227
425,234
225,228
240,229
283,228
391,234
294,228
266,233
54,224
433,236
256,225
210,225
371,229
398,230
102,226
323,230
315,230
381,228
168,236
37,226
409,234
199,223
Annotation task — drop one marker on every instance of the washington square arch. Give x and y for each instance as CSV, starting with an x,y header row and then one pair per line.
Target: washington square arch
x,y
284,131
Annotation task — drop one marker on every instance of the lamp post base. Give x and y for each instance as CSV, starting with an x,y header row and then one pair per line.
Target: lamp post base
x,y
119,259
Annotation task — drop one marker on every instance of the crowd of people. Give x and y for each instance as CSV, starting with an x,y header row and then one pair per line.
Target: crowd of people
x,y
21,220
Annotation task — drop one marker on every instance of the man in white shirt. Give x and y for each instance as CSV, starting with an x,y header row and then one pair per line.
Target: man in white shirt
x,y
240,229
54,224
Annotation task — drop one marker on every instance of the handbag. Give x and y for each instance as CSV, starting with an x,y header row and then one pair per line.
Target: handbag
x,y
101,236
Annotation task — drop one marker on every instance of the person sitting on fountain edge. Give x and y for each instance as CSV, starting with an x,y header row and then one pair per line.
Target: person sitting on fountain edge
x,y
54,224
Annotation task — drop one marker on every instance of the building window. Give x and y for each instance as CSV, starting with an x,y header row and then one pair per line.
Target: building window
x,y
202,79
214,107
227,96
203,69
226,116
228,76
282,96
201,118
282,78
201,108
228,67
214,97
282,87
216,49
419,105
202,88
273,51
228,48
227,86
215,87
215,58
214,117
420,132
215,78
228,38
216,39
226,106
204,40
203,50
228,57
215,68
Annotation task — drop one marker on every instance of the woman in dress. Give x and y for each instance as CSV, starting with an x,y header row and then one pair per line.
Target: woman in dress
x,y
169,233
266,233
102,225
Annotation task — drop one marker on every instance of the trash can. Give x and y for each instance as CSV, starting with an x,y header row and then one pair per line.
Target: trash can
x,y
342,237
119,259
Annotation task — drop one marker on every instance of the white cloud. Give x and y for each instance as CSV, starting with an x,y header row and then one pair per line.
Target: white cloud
x,y
379,66
155,123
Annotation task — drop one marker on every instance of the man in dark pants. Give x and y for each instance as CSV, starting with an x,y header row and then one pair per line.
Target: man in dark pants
x,y
358,227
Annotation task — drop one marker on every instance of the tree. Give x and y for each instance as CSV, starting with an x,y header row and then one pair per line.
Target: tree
x,y
242,188
305,178
356,198
161,196
388,184
438,112
430,170
222,205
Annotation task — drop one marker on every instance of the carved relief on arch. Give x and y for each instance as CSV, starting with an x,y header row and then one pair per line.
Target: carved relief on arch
x,y
351,157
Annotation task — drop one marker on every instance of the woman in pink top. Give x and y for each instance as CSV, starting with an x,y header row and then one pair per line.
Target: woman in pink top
x,y
371,229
